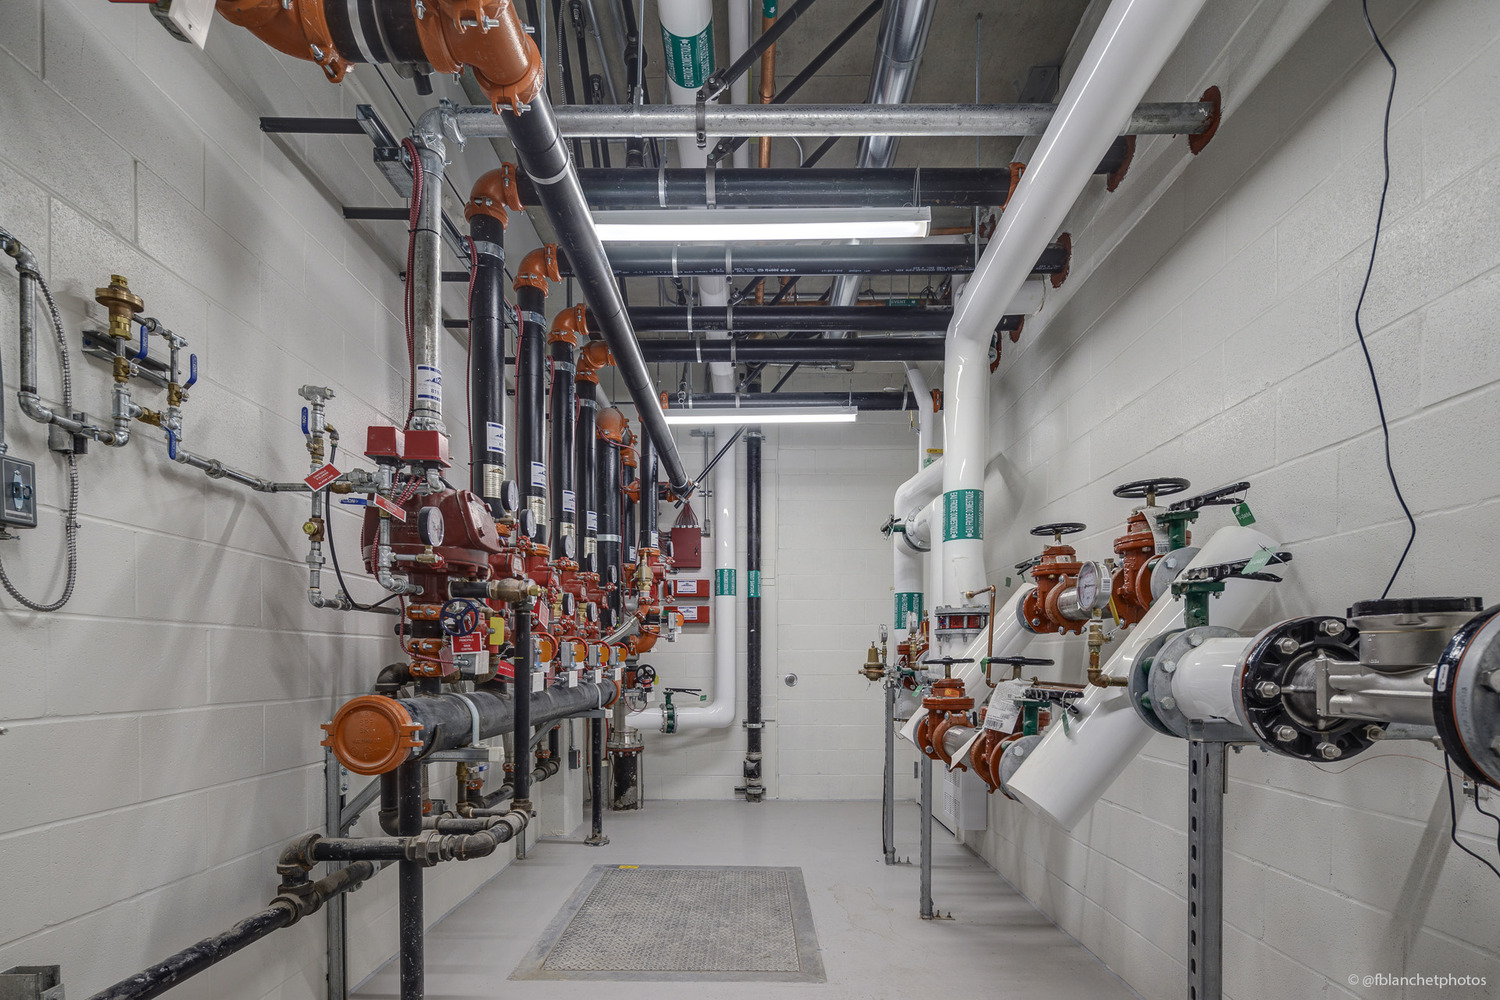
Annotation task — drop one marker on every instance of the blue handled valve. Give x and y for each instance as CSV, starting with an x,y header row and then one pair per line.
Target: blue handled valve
x,y
192,372
140,353
172,444
305,432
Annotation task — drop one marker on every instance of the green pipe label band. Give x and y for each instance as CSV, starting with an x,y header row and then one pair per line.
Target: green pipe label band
x,y
907,603
724,583
768,9
690,58
754,576
963,514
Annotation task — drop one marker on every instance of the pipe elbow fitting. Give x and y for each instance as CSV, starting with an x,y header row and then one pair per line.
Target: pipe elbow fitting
x,y
26,262
495,195
569,326
538,268
488,37
298,28
297,855
594,356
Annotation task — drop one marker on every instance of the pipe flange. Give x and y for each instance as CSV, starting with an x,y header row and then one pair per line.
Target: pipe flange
x,y
1015,753
1138,681
1159,675
1165,569
1465,700
1277,690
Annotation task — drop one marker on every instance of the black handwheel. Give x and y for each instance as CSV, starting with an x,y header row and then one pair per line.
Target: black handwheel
x,y
1150,489
1058,529
1023,661
645,674
460,616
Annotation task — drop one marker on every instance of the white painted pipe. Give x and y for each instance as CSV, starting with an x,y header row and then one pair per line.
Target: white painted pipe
x,y
1070,768
927,452
739,90
687,38
1128,50
907,561
1205,679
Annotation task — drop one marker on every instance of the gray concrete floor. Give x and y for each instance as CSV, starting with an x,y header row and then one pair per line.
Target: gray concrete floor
x,y
873,943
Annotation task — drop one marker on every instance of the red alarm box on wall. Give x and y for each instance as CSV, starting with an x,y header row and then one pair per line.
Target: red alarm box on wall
x,y
687,540
694,614
697,589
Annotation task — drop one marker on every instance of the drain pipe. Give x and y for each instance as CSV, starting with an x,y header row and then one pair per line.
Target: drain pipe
x,y
754,726
1127,52
566,327
494,194
926,417
609,440
898,53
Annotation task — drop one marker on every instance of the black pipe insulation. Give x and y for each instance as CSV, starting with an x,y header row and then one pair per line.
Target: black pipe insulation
x,y
487,364
564,534
903,400
409,871
607,504
645,260
292,905
531,401
870,319
596,836
754,790
584,478
650,527
521,708
783,351
630,514
544,157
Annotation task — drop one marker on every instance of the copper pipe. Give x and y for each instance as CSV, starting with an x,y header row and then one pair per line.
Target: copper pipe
x,y
767,94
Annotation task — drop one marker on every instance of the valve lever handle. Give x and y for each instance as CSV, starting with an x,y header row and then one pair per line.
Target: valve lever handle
x,y
140,353
192,371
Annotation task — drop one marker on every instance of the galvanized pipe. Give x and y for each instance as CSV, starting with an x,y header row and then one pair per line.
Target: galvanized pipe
x,y
688,260
664,121
884,319
426,279
784,351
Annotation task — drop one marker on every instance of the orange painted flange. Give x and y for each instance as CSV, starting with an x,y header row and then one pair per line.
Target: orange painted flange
x,y
594,356
298,28
612,425
1199,142
1131,585
1057,571
567,324
486,35
372,734
1118,174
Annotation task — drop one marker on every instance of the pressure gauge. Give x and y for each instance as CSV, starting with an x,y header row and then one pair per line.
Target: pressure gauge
x,y
1094,583
510,496
593,613
430,526
569,605
569,546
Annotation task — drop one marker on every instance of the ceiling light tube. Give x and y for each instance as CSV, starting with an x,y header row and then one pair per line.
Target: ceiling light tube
x,y
722,415
745,225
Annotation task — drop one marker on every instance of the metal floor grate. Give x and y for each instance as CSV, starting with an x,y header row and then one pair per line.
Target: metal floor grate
x,y
652,922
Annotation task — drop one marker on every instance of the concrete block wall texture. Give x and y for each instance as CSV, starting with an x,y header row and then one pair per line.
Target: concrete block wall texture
x,y
825,587
162,730
1217,342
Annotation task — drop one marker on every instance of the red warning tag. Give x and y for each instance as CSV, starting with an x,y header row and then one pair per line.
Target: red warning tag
x,y
471,642
321,478
390,507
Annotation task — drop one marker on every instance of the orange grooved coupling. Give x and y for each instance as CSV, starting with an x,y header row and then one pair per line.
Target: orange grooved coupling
x,y
568,324
486,35
298,27
594,356
372,734
495,195
612,425
537,268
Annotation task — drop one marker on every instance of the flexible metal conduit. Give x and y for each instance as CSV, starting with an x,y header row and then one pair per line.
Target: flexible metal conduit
x,y
666,121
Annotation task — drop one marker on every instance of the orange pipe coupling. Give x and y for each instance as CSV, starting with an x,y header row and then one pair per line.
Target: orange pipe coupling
x,y
594,356
567,325
612,425
372,734
538,268
495,195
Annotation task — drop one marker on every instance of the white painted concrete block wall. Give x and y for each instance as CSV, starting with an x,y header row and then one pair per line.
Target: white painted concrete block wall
x,y
1217,342
163,734
825,587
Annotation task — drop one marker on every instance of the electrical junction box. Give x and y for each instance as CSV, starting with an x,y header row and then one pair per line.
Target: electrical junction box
x,y
18,493
694,614
690,588
687,547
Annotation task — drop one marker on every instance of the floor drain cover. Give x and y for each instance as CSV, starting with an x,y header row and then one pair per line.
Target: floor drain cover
x,y
651,922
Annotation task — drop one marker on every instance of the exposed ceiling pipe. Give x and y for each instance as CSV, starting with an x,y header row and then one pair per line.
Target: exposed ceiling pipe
x,y
784,351
887,319
1127,52
799,400
898,54
928,257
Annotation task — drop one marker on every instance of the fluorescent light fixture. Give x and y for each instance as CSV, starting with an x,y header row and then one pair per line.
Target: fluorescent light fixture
x,y
748,225
721,415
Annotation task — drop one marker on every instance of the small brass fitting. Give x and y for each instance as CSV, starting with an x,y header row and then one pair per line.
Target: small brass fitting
x,y
175,395
122,304
151,417
122,369
315,529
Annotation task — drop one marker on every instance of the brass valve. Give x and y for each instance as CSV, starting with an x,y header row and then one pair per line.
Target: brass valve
x,y
874,667
122,304
1096,641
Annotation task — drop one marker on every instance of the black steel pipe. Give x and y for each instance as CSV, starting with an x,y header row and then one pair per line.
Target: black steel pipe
x,y
409,902
791,187
754,791
903,400
783,351
487,364
531,400
521,705
607,504
872,319
629,512
283,912
564,536
596,837
650,528
544,157
585,478
750,260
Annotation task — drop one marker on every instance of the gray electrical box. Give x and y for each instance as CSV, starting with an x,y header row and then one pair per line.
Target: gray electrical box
x,y
17,493
31,982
